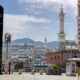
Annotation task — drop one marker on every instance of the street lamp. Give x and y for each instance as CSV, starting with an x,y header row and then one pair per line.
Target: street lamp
x,y
7,41
71,55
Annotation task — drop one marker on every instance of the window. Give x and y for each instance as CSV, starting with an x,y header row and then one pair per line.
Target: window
x,y
55,57
51,58
75,55
58,57
79,9
78,1
78,23
66,56
79,39
73,71
79,33
79,28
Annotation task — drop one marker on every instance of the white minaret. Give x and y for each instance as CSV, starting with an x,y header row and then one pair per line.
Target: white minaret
x,y
45,45
61,33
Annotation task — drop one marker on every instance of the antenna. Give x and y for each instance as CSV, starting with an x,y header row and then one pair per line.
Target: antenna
x,y
61,7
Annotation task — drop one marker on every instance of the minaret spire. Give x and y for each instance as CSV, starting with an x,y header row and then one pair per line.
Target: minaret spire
x,y
61,32
45,42
45,45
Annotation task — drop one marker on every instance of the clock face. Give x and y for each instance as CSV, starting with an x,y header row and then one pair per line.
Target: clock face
x,y
1,14
1,18
1,9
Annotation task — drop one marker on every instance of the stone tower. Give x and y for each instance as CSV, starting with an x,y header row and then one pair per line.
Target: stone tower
x,y
61,33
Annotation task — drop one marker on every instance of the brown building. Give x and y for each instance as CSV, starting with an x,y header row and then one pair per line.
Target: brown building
x,y
54,57
59,57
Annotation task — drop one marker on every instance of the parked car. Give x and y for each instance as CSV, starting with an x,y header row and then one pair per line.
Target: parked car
x,y
28,69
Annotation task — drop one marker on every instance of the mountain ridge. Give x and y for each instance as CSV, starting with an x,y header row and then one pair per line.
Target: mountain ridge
x,y
52,44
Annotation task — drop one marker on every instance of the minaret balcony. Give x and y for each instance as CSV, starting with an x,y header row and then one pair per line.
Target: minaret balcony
x,y
61,33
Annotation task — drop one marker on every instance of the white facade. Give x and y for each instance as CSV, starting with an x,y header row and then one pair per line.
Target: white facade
x,y
71,68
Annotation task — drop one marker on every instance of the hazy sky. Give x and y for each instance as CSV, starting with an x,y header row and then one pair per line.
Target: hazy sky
x,y
37,19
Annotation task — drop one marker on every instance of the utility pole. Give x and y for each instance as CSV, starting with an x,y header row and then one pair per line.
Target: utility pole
x,y
71,50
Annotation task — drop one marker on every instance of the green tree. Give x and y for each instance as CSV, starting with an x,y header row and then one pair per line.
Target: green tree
x,y
57,66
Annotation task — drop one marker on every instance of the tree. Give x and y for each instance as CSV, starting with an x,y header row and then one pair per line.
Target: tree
x,y
57,66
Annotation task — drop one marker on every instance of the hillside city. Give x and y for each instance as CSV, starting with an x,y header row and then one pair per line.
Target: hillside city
x,y
36,58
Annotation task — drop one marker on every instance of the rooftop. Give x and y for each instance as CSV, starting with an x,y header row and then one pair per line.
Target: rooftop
x,y
74,59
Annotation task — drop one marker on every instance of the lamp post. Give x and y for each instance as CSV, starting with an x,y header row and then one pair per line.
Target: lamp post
x,y
7,41
71,51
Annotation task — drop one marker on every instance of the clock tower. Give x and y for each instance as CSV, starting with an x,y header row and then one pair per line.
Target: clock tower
x,y
1,34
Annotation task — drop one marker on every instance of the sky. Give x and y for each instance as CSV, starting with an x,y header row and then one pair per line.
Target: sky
x,y
37,19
